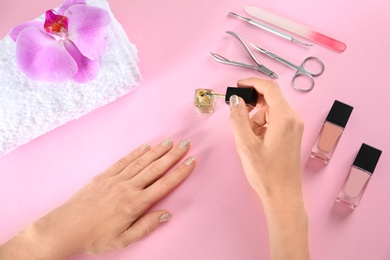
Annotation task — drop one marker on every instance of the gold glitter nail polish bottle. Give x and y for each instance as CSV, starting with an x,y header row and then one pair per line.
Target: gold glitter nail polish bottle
x,y
204,100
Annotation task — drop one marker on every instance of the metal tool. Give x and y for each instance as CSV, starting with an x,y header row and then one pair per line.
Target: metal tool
x,y
295,28
269,29
259,67
302,71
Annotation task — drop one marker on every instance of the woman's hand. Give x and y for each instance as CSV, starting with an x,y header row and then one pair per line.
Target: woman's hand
x,y
109,212
269,143
269,146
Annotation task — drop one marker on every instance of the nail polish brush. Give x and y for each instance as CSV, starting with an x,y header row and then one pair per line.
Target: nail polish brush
x,y
204,99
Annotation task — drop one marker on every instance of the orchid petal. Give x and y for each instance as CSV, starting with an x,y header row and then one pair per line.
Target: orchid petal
x,y
69,3
14,33
87,29
87,69
41,57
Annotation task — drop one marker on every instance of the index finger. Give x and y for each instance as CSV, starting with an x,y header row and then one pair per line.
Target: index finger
x,y
269,90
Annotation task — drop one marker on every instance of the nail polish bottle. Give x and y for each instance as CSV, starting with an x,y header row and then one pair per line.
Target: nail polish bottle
x,y
360,174
204,100
249,95
331,131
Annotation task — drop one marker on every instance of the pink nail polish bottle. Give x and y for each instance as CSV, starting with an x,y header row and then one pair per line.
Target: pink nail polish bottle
x,y
359,176
331,131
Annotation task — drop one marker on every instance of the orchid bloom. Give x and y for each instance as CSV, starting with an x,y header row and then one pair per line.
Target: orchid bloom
x,y
66,46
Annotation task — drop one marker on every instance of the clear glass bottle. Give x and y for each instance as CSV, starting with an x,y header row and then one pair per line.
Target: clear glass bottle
x,y
359,176
204,99
331,131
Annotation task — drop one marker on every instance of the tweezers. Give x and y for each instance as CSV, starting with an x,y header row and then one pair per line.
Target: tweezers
x,y
259,67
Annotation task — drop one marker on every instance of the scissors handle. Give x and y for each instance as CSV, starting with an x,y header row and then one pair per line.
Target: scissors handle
x,y
311,59
305,75
305,72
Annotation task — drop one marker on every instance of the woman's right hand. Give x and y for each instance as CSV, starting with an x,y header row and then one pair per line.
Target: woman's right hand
x,y
269,146
268,143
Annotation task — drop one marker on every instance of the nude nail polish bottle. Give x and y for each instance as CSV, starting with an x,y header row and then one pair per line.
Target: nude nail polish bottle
x,y
331,131
360,174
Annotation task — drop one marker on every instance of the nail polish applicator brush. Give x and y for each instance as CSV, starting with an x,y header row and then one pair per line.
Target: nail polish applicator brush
x,y
204,100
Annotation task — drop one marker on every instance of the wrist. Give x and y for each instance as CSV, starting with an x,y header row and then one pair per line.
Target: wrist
x,y
51,238
37,241
288,231
282,200
280,194
279,183
25,245
286,210
288,199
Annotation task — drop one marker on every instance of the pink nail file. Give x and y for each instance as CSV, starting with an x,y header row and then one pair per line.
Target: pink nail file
x,y
296,28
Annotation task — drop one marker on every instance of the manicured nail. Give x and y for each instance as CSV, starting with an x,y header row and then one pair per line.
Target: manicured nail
x,y
166,142
165,217
234,101
190,160
145,147
184,144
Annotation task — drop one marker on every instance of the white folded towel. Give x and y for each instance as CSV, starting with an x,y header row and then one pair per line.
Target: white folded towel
x,y
30,108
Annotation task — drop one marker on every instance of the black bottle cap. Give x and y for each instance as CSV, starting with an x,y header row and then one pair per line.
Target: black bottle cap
x,y
339,114
367,158
249,95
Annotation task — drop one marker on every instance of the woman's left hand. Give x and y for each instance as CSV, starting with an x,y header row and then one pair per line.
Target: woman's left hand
x,y
109,212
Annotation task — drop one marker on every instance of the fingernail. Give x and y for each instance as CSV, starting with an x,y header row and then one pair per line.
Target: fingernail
x,y
145,147
190,160
234,101
166,142
165,217
184,144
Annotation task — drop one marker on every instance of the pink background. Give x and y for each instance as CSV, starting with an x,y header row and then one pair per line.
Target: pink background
x,y
216,214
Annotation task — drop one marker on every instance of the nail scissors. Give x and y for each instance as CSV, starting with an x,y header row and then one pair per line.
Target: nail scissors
x,y
302,70
259,67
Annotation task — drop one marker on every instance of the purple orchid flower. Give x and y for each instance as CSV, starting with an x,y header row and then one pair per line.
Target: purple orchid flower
x,y
66,46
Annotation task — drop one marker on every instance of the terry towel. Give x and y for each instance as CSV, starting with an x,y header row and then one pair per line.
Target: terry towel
x,y
30,108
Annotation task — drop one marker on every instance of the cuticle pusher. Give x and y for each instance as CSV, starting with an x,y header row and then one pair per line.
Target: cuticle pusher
x,y
269,29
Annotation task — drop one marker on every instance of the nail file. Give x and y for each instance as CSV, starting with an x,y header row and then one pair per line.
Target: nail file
x,y
296,28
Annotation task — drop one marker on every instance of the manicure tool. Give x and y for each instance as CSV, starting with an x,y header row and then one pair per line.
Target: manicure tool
x,y
302,71
270,29
259,67
204,99
296,28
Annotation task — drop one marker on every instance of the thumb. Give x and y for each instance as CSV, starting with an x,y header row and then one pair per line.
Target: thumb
x,y
239,119
144,226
